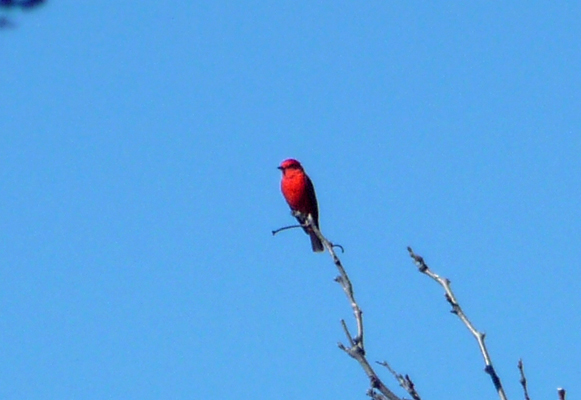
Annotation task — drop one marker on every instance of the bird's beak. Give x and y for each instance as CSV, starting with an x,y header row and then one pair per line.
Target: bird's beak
x,y
279,168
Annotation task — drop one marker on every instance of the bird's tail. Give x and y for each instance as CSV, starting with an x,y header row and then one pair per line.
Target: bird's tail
x,y
316,243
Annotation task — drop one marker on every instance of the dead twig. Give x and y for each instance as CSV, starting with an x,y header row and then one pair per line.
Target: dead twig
x,y
284,228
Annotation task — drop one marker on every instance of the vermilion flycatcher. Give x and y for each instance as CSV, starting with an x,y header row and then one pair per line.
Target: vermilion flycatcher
x,y
299,193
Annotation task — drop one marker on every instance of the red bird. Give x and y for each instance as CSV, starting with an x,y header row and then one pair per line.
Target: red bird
x,y
299,193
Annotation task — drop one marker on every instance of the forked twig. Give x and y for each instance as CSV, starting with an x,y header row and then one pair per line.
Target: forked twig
x,y
284,228
456,309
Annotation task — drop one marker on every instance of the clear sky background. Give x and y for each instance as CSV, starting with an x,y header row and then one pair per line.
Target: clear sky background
x,y
138,150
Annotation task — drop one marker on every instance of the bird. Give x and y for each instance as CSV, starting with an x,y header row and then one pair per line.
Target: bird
x,y
299,192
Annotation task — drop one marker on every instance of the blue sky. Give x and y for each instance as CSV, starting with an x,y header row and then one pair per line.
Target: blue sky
x,y
138,154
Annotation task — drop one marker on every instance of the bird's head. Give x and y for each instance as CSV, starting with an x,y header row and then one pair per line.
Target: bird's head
x,y
290,164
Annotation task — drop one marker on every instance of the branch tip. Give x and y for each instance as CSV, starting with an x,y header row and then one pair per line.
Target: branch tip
x,y
457,310
284,228
523,379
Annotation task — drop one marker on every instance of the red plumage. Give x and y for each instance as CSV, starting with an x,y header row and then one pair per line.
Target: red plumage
x,y
299,193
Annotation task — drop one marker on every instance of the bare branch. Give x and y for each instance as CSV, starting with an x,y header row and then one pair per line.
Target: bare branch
x,y
342,279
356,347
456,309
523,379
404,381
561,393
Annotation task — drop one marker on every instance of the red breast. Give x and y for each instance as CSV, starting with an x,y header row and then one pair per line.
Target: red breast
x,y
294,185
294,188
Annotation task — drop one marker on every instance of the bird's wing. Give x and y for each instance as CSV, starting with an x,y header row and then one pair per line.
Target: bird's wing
x,y
313,201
